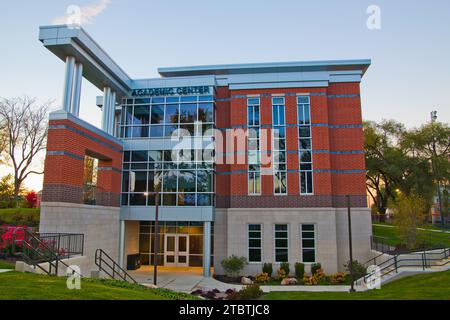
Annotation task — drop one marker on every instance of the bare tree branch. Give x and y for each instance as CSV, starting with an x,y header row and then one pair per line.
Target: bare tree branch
x,y
24,124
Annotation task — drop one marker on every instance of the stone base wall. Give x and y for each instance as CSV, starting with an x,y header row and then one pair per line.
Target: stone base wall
x,y
230,227
100,225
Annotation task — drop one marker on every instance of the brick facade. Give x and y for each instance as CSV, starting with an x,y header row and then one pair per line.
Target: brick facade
x,y
338,148
68,144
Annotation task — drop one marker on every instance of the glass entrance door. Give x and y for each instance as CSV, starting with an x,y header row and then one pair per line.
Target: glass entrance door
x,y
176,252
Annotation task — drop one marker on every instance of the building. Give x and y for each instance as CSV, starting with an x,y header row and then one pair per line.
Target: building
x,y
286,147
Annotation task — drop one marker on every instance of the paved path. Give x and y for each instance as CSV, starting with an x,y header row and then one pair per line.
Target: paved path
x,y
424,229
5,270
191,279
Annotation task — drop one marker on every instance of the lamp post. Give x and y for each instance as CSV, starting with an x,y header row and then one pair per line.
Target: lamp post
x,y
352,288
156,243
156,248
433,168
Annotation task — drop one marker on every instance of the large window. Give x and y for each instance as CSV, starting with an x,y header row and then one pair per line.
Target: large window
x,y
305,144
253,142
281,243
254,242
279,145
160,117
187,183
308,245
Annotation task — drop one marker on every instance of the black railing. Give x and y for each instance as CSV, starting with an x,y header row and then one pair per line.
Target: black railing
x,y
106,264
381,244
40,249
425,242
424,260
66,245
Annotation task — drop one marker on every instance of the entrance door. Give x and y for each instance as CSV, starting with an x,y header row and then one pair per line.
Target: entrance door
x,y
176,252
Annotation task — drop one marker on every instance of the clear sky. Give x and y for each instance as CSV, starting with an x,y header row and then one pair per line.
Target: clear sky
x,y
409,76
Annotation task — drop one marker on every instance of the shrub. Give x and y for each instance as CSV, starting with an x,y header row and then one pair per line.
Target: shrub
x,y
234,265
359,270
285,266
309,281
299,270
262,278
338,277
281,274
250,292
315,267
319,275
267,268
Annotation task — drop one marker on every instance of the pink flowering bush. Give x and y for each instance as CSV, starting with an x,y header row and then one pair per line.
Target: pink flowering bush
x,y
7,235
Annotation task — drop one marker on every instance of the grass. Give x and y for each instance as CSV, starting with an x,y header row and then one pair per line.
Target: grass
x,y
6,265
28,286
430,286
430,237
20,216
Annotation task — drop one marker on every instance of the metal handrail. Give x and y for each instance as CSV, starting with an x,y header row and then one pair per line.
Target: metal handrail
x,y
116,269
53,259
393,263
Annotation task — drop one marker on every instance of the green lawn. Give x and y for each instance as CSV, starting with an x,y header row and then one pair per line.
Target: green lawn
x,y
430,237
27,286
20,216
431,286
6,265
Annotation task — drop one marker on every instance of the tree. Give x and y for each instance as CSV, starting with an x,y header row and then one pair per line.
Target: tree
x,y
409,213
7,188
431,142
25,126
382,158
394,164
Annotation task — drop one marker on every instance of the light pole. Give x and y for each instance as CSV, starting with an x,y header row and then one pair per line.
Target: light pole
x,y
156,243
433,168
350,245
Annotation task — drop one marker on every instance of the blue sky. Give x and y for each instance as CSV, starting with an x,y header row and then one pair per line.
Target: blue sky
x,y
409,76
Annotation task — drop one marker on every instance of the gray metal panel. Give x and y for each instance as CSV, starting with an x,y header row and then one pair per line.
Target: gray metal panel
x,y
158,144
271,85
63,115
99,68
167,213
251,68
174,82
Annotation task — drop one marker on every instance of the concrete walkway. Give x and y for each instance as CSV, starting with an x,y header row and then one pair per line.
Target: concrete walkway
x,y
190,279
5,270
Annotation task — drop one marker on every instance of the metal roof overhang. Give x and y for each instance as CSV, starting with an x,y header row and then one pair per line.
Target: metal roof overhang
x,y
98,67
273,67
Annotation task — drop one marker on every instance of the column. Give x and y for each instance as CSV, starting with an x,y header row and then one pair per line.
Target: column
x,y
121,243
207,249
112,112
68,83
77,89
105,108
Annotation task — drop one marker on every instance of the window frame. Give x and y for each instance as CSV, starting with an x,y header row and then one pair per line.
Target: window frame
x,y
248,243
301,124
315,242
274,242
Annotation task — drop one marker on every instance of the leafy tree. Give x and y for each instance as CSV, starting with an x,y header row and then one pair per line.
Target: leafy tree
x,y
382,160
7,188
24,124
431,143
409,213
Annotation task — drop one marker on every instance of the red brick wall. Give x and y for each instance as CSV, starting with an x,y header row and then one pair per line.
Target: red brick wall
x,y
333,110
68,143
